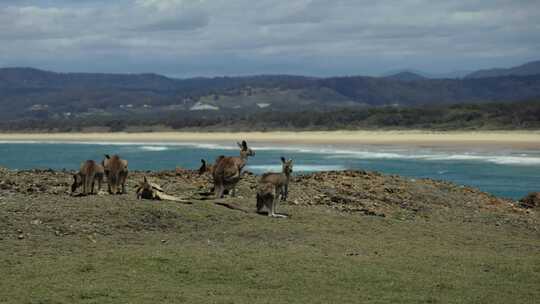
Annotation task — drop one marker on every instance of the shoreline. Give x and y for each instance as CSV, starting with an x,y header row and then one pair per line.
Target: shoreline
x,y
510,139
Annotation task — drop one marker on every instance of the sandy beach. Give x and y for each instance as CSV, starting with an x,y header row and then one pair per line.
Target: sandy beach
x,y
509,139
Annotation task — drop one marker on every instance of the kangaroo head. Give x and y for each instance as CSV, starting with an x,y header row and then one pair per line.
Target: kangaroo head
x,y
105,161
146,185
244,150
77,182
204,167
287,165
144,190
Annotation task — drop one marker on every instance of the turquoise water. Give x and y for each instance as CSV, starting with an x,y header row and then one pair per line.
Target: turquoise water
x,y
506,173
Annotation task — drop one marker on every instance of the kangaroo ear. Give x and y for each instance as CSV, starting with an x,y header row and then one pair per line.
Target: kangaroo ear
x,y
244,144
239,144
203,162
145,180
202,168
107,156
282,159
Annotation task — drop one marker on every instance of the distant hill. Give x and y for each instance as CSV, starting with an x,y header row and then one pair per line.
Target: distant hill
x,y
27,93
406,76
527,69
443,75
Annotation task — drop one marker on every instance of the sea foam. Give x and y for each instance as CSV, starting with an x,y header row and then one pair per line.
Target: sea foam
x,y
296,167
509,159
154,148
329,152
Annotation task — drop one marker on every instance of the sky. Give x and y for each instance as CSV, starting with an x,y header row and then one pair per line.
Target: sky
x,y
187,38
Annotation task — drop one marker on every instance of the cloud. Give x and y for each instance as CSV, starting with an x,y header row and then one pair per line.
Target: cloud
x,y
318,37
171,15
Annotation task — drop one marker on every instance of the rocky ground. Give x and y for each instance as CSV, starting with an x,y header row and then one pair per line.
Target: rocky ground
x,y
354,192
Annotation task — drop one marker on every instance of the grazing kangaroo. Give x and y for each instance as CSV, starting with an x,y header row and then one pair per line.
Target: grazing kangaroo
x,y
205,167
280,180
86,177
116,170
228,170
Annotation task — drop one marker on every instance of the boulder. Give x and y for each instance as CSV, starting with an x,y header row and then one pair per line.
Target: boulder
x,y
532,200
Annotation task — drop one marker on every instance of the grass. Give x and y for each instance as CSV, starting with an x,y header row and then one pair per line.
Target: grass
x,y
119,250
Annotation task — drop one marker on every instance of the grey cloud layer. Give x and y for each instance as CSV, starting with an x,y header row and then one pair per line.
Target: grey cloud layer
x,y
321,37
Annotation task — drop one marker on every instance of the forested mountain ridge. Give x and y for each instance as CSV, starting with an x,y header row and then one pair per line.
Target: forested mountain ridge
x,y
31,93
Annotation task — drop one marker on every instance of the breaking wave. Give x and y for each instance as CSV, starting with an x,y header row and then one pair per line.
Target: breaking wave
x,y
154,148
521,159
328,152
298,168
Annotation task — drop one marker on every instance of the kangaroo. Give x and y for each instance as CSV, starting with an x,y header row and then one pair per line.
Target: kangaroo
x,y
152,191
266,198
280,180
145,190
116,170
206,168
228,169
86,177
209,168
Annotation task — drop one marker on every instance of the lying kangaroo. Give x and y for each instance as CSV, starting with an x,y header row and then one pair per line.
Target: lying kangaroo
x,y
87,175
116,170
280,180
228,170
152,191
146,190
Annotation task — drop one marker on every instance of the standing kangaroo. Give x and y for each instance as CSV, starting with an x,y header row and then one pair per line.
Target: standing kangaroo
x,y
228,170
273,187
88,173
280,180
116,170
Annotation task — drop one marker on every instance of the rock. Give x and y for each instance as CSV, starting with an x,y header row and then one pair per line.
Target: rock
x,y
532,200
5,185
180,171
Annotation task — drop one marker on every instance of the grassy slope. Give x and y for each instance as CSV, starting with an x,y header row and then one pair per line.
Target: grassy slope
x,y
105,249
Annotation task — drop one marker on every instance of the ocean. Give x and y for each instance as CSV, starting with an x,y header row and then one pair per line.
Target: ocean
x,y
505,173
